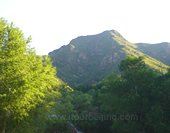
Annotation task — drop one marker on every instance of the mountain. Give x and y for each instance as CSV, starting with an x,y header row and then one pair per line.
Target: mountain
x,y
88,59
160,51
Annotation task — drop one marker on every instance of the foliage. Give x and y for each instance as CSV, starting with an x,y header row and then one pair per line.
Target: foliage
x,y
139,93
33,99
26,80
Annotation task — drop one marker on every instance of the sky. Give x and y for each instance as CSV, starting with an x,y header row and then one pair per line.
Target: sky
x,y
53,23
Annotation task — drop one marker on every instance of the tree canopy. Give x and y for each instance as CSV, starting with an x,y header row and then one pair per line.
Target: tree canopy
x,y
26,79
139,93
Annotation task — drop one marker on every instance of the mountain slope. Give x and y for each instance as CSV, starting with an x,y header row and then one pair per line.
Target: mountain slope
x,y
88,59
160,51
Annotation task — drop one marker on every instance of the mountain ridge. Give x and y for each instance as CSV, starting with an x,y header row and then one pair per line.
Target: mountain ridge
x,y
88,59
152,50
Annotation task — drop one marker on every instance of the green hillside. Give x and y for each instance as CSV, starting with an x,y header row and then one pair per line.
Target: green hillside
x,y
160,51
88,59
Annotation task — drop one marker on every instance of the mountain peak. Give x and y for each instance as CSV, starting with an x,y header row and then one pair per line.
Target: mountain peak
x,y
88,59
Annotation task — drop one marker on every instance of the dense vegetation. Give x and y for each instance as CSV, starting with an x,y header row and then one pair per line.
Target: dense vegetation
x,y
88,59
34,100
29,87
140,92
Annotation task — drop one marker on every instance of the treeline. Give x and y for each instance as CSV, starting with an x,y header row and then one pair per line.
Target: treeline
x,y
34,100
133,102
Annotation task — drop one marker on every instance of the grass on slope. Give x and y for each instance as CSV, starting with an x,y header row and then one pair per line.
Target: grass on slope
x,y
129,49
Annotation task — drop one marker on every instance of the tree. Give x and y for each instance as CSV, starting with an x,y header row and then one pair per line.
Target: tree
x,y
26,79
139,92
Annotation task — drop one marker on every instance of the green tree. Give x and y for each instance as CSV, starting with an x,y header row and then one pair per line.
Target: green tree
x,y
140,92
26,80
81,101
132,69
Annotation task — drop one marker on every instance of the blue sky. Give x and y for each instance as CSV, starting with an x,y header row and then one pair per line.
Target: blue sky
x,y
53,23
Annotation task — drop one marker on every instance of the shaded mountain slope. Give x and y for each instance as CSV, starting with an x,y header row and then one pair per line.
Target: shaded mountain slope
x,y
160,51
88,59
